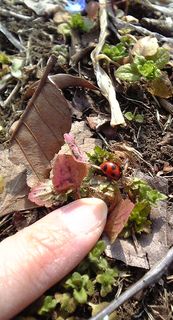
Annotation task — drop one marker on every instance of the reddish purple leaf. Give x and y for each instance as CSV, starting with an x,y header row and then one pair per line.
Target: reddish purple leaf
x,y
76,152
67,173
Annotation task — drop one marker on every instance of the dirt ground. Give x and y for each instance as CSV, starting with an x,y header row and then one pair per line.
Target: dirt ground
x,y
39,36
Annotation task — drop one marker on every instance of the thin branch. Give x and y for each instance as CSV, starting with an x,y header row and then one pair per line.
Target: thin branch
x,y
149,278
11,38
7,13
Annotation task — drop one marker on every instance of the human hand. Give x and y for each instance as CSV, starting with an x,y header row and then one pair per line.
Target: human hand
x,y
37,257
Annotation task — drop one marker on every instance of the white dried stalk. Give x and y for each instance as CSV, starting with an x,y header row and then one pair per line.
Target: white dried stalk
x,y
103,80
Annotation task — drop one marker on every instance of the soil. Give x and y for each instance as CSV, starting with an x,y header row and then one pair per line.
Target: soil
x,y
40,35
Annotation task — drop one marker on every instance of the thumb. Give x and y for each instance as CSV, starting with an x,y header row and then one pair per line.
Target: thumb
x,y
40,255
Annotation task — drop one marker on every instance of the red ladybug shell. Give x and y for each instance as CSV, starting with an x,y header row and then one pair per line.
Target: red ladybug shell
x,y
111,170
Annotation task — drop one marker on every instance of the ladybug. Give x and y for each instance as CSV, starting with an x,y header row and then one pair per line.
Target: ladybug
x,y
112,170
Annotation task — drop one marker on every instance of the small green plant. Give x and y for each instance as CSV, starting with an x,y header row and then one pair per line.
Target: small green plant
x,y
81,286
49,303
115,53
147,68
99,155
144,197
107,280
134,117
78,22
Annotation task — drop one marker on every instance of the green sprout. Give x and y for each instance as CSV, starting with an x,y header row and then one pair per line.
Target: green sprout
x,y
115,53
99,155
78,22
147,68
145,197
134,117
107,280
81,286
49,303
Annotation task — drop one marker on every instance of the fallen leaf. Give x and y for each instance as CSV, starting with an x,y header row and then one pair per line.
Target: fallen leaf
x,y
39,133
161,87
118,218
146,46
83,138
15,192
67,173
150,248
42,194
45,7
63,81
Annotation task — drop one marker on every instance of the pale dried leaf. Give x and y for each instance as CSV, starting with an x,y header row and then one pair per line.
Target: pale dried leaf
x,y
15,193
103,80
44,7
146,46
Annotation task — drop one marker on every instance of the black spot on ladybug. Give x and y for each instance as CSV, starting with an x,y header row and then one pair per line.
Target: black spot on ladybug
x,y
113,167
105,168
113,175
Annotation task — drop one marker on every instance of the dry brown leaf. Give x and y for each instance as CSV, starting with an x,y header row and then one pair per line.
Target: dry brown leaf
x,y
161,87
118,218
63,81
14,196
39,134
146,46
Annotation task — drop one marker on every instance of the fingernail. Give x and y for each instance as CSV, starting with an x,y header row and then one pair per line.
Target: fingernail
x,y
85,215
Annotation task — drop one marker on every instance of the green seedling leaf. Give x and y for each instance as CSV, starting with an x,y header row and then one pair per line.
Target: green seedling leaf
x,y
66,301
115,53
16,68
80,23
143,192
161,58
127,73
139,217
4,59
127,40
145,197
98,249
99,155
49,304
80,296
129,116
149,70
139,118
64,29
82,287
107,280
